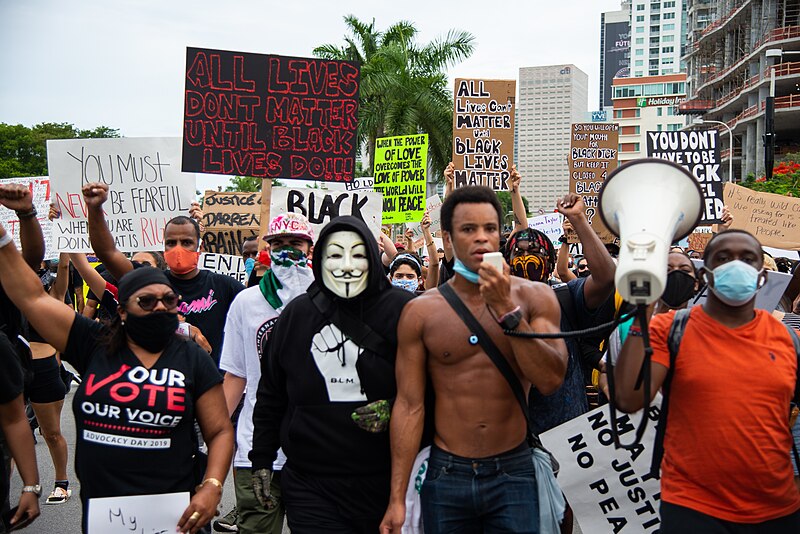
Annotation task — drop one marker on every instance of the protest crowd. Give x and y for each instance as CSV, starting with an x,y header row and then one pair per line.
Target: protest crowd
x,y
356,378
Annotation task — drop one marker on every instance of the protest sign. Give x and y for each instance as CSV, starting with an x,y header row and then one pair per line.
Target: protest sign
x,y
698,241
549,224
362,182
483,132
592,156
697,151
773,219
270,116
39,187
433,205
145,182
139,513
610,490
228,219
226,264
322,205
400,176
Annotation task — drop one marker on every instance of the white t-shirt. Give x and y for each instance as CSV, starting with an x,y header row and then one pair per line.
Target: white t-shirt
x,y
247,328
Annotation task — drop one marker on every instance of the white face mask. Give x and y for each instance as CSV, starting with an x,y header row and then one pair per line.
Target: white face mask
x,y
345,264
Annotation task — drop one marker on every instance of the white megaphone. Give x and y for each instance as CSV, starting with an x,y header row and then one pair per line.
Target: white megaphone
x,y
649,204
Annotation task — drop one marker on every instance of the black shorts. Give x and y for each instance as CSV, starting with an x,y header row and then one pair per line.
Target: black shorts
x,y
47,385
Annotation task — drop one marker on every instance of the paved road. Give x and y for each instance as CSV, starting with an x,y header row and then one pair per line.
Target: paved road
x,y
66,518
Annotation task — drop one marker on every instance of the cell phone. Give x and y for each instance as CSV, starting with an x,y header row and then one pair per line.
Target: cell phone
x,y
183,329
7,520
495,259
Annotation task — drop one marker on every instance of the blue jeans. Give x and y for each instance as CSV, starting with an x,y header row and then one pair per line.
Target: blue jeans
x,y
497,494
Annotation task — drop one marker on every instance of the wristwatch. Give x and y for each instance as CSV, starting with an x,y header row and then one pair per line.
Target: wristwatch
x,y
511,320
36,489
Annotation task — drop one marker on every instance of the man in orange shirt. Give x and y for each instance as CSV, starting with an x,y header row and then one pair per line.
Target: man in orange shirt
x,y
726,465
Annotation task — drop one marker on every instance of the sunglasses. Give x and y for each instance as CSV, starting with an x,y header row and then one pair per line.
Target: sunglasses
x,y
582,267
149,302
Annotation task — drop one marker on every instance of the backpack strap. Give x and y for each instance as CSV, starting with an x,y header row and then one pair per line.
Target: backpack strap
x,y
796,341
673,343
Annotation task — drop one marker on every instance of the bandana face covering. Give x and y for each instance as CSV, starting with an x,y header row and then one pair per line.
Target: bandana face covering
x,y
408,285
530,267
288,268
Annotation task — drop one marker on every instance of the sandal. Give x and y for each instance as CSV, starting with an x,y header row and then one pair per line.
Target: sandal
x,y
59,496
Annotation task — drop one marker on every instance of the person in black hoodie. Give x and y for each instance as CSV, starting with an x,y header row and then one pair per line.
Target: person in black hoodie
x,y
325,389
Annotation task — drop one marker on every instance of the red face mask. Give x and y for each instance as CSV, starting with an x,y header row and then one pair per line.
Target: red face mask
x,y
180,260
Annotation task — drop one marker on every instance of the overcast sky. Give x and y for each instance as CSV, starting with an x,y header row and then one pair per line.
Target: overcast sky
x,y
120,63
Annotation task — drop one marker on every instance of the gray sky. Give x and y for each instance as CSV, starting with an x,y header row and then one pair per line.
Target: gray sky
x,y
120,63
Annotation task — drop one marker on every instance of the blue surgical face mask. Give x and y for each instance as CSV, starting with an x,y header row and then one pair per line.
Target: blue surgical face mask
x,y
249,263
735,282
408,285
461,269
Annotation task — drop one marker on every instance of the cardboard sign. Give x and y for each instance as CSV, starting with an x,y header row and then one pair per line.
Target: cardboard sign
x,y
549,224
400,176
322,205
270,116
39,187
773,219
140,513
228,219
608,489
697,151
483,132
146,189
226,264
699,240
592,156
433,205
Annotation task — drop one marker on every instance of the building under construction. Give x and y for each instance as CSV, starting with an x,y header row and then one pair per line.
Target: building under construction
x,y
736,53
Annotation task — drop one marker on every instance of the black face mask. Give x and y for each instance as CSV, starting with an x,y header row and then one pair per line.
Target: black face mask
x,y
584,273
153,331
679,289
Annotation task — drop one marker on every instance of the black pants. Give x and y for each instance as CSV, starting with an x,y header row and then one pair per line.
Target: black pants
x,y
681,520
340,505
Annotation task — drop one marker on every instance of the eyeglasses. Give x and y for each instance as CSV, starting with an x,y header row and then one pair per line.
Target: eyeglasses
x,y
149,302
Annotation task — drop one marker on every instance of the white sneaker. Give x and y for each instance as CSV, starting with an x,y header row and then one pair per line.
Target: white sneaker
x,y
59,496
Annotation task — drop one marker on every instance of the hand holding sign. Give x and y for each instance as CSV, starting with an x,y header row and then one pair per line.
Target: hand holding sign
x,y
449,172
202,508
94,194
16,197
515,178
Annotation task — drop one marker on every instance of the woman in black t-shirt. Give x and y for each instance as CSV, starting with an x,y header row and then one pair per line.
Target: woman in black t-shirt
x,y
143,386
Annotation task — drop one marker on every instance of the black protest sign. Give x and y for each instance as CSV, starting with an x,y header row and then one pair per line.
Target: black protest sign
x,y
270,116
697,151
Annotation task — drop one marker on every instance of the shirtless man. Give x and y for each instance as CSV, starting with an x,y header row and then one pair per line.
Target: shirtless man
x,y
480,475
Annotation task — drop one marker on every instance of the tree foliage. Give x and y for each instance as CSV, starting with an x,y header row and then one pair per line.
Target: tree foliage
x,y
23,150
404,88
785,178
247,184
505,200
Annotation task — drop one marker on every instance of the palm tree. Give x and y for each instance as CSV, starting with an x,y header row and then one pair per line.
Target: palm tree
x,y
404,88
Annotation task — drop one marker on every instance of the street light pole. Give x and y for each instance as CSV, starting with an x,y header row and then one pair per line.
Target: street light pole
x,y
700,121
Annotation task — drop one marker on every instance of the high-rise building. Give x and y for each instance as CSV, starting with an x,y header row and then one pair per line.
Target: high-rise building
x,y
646,104
550,99
739,52
615,50
657,33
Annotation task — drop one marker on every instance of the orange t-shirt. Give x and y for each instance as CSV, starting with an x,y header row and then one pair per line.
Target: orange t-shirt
x,y
727,445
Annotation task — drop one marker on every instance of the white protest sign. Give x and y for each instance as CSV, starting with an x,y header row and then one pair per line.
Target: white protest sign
x,y
322,205
140,513
549,224
433,205
608,489
226,264
39,187
359,183
146,189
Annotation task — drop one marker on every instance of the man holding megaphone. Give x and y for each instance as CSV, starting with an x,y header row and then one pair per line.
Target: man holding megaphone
x,y
725,466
